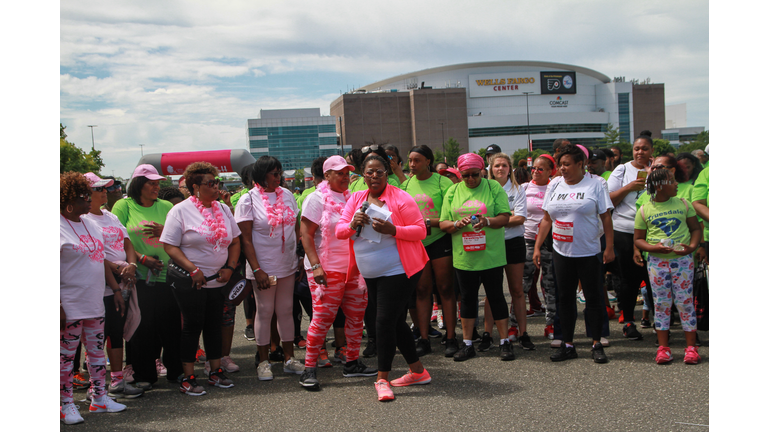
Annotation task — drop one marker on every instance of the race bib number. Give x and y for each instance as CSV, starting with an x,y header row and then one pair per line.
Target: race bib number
x,y
563,231
473,241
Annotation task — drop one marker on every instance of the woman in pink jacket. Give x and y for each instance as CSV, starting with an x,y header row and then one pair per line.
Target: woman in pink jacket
x,y
390,257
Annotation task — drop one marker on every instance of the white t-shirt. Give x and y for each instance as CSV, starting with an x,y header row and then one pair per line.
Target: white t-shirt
x,y
605,186
114,234
312,209
268,243
534,195
516,196
624,214
378,259
575,212
81,269
186,228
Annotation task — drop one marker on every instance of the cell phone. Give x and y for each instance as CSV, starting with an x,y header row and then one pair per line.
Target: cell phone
x,y
642,174
273,280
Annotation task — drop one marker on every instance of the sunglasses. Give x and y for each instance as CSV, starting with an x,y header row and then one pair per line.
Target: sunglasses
x,y
474,175
655,167
98,189
375,174
535,169
371,148
275,173
114,188
211,183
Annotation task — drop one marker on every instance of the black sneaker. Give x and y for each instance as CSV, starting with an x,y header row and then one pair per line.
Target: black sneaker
x,y
249,333
564,353
451,347
434,333
423,347
416,332
370,348
476,336
356,368
644,323
525,342
486,342
631,333
506,352
309,380
465,352
277,355
598,355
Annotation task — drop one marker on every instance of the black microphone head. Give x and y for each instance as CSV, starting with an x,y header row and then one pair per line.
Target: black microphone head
x,y
365,206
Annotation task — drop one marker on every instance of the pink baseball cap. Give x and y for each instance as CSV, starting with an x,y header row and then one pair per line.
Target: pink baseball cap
x,y
336,163
95,181
453,171
148,171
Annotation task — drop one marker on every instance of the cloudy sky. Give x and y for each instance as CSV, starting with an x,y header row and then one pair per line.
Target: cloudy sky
x,y
186,75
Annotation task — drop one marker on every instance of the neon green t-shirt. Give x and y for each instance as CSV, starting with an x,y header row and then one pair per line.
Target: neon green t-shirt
x,y
359,184
134,217
701,192
236,196
393,180
665,220
488,199
429,196
304,196
605,175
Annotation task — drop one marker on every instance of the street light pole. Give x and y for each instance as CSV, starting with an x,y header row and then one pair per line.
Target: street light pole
x,y
142,149
341,135
93,145
528,119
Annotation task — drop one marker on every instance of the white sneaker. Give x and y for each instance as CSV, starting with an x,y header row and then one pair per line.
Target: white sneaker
x,y
70,414
580,297
264,370
228,365
294,367
604,342
611,297
105,404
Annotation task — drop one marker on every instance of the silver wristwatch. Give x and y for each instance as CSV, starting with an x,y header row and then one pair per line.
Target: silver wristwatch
x,y
316,266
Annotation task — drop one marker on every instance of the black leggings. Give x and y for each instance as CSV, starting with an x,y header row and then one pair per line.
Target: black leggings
x,y
202,310
493,282
569,272
631,274
389,295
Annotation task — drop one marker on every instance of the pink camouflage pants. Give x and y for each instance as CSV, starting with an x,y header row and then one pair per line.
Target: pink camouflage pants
x,y
92,332
352,296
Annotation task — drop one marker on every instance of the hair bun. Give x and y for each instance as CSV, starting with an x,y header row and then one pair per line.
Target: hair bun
x,y
646,133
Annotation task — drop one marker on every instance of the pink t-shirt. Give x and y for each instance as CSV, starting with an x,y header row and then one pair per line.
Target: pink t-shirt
x,y
267,242
186,228
81,269
114,234
534,196
312,209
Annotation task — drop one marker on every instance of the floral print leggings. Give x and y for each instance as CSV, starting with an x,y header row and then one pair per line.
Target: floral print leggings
x,y
672,280
91,331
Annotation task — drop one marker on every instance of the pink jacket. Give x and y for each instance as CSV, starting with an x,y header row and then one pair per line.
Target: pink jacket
x,y
406,216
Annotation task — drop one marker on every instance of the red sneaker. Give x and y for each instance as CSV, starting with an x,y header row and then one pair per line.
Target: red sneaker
x,y
513,334
692,355
412,379
434,312
549,332
663,355
621,318
611,312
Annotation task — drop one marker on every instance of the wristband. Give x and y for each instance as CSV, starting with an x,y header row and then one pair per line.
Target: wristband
x,y
228,267
316,266
133,264
254,272
487,222
194,272
142,258
454,224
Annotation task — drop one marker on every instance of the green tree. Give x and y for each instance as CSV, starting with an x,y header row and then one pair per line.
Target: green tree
x,y
523,154
612,136
452,152
699,143
662,146
73,158
481,152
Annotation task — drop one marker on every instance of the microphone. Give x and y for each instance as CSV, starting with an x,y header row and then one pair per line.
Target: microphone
x,y
362,209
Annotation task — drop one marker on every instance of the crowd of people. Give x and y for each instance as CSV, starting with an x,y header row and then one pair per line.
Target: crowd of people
x,y
145,274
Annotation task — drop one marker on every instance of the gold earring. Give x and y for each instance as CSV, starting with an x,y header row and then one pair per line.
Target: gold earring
x,y
68,208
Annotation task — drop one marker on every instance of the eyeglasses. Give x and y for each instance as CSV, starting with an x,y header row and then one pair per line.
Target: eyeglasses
x,y
371,148
655,167
98,189
114,188
86,198
474,175
535,169
375,174
211,183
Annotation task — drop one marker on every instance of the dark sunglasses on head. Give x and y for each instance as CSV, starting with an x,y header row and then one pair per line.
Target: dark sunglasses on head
x,y
211,183
370,148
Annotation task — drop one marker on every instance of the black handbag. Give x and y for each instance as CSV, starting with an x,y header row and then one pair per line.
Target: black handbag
x,y
701,296
180,279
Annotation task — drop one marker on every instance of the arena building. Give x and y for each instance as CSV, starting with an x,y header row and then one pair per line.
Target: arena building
x,y
508,103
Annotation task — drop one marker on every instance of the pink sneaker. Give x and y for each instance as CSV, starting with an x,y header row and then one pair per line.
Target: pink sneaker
x,y
228,365
412,379
692,355
663,355
128,374
383,390
161,370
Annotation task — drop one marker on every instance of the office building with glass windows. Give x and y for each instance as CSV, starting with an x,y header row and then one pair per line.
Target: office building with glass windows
x,y
505,103
294,136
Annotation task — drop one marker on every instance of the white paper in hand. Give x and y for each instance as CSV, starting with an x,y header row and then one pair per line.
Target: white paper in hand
x,y
368,232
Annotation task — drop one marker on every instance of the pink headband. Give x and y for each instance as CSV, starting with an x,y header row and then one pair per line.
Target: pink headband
x,y
470,160
584,149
